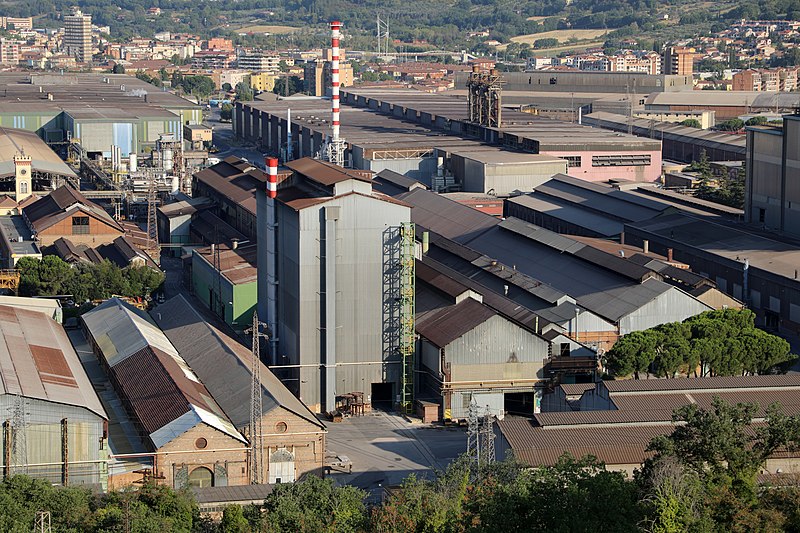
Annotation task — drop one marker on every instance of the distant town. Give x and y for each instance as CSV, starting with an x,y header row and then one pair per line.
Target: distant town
x,y
398,288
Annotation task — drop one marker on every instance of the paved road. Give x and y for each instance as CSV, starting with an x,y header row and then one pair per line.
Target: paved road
x,y
385,448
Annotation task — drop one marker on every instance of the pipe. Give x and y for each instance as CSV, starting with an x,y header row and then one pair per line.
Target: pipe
x,y
646,246
330,346
289,134
336,26
426,242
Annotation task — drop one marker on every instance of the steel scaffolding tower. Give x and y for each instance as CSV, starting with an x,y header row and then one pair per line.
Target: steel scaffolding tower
x,y
153,247
473,436
484,103
407,314
19,440
256,408
487,437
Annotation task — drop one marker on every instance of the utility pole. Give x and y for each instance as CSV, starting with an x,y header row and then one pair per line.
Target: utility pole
x,y
256,408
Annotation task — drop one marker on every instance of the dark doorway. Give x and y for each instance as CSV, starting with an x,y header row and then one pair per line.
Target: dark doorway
x,y
519,403
383,396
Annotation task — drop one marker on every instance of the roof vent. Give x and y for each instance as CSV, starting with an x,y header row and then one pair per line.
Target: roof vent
x,y
622,253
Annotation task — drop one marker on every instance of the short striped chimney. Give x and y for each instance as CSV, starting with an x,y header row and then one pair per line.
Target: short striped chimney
x,y
272,177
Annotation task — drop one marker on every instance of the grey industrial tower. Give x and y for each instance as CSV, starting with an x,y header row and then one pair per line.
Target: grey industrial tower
x,y
338,258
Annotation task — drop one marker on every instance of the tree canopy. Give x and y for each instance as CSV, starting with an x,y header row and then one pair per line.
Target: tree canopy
x,y
51,276
714,343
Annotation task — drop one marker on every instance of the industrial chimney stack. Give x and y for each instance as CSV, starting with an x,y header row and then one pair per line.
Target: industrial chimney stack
x,y
336,145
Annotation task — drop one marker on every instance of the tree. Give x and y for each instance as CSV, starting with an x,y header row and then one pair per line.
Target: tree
x,y
226,87
226,112
734,124
243,92
233,520
315,504
704,188
118,69
757,121
691,123
545,43
632,353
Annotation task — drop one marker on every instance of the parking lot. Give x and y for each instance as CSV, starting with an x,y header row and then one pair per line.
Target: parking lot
x,y
384,448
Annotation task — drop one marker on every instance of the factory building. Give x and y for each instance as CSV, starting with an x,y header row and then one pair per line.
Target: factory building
x,y
599,295
323,271
184,431
65,212
751,265
772,193
678,143
568,205
615,421
408,132
224,279
28,165
589,82
470,348
293,439
98,111
54,426
725,104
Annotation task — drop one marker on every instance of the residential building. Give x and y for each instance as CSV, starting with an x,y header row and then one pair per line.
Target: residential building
x,y
317,77
213,59
16,23
679,60
258,61
9,52
758,80
78,36
220,43
263,81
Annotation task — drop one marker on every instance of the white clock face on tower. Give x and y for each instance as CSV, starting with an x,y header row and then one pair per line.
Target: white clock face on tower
x,y
23,171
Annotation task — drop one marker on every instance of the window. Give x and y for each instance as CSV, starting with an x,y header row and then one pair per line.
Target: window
x,y
200,443
23,188
631,160
762,215
281,427
572,160
201,477
80,225
564,349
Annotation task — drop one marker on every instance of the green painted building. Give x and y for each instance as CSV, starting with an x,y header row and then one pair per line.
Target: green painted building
x,y
224,279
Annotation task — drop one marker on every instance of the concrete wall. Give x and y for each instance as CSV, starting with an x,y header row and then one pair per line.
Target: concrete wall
x,y
589,172
503,179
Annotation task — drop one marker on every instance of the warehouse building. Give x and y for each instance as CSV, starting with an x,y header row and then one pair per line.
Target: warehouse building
x,y
224,279
326,259
97,110
752,266
469,347
725,104
592,155
772,193
190,439
589,82
678,143
28,165
624,296
568,205
408,132
65,212
54,426
615,421
293,439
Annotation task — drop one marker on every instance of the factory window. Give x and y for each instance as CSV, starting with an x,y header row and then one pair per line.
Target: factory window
x,y
564,349
573,160
281,427
628,160
201,477
23,188
200,443
80,225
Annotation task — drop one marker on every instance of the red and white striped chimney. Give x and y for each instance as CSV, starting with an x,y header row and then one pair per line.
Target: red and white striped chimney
x,y
336,26
272,177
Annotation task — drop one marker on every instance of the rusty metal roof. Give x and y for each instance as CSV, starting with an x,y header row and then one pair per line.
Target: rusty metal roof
x,y
61,203
38,361
324,173
163,393
709,384
444,325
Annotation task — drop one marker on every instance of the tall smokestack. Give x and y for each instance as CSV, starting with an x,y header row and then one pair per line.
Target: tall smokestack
x,y
336,26
272,258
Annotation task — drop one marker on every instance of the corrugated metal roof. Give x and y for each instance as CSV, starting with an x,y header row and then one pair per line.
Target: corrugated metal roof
x,y
615,445
43,159
323,172
238,183
223,364
61,203
392,183
38,361
443,326
577,216
446,217
165,395
708,383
